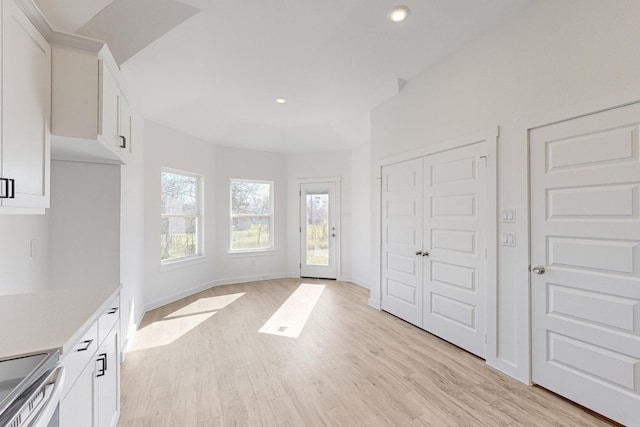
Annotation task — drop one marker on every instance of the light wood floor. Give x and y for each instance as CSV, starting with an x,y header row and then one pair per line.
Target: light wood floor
x,y
200,363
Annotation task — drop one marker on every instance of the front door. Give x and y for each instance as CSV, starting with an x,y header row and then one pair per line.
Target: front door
x,y
585,256
319,230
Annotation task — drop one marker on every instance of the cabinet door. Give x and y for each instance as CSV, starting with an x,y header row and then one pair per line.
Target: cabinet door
x,y
26,100
108,380
78,406
125,129
109,108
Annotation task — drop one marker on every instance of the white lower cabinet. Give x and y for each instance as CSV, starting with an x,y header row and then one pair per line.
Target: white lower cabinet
x,y
77,407
92,388
107,383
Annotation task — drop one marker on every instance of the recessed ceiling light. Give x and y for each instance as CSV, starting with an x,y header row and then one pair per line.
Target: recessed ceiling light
x,y
281,100
398,13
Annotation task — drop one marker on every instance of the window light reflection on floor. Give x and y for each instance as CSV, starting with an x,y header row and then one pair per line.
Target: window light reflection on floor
x,y
289,320
174,325
205,305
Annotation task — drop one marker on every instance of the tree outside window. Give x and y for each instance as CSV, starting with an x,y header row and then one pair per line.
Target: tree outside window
x,y
251,215
181,223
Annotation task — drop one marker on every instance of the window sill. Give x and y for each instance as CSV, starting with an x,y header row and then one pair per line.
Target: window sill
x,y
182,262
251,253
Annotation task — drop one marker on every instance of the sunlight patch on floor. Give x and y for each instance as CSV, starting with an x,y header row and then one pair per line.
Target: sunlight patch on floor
x,y
174,325
289,320
205,305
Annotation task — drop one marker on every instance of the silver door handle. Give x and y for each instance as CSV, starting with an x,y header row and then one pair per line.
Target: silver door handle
x,y
538,269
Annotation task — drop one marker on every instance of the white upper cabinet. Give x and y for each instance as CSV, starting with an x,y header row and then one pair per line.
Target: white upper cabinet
x,y
88,120
26,99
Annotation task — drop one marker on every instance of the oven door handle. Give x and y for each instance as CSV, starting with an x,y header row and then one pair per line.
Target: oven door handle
x,y
46,413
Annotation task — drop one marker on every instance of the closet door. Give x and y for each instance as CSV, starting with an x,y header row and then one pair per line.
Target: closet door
x,y
585,254
455,242
402,221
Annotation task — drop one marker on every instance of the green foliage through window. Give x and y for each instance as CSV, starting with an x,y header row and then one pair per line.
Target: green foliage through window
x,y
179,235
251,215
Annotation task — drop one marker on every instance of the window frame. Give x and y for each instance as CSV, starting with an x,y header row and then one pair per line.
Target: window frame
x,y
271,216
198,217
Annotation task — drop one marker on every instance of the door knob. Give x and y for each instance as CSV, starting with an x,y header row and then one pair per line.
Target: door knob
x,y
538,269
418,253
425,253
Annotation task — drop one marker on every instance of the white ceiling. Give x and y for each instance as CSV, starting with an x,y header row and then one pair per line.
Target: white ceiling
x,y
213,68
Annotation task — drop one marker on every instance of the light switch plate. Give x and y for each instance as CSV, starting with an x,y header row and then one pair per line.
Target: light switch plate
x,y
508,239
507,215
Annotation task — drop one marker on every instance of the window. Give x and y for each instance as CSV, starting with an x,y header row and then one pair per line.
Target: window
x,y
181,222
251,215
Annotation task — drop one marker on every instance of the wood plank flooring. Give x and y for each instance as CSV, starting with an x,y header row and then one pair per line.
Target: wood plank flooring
x,y
202,362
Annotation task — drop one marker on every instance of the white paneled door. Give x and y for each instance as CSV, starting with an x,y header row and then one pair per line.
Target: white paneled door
x,y
434,232
585,255
402,192
455,241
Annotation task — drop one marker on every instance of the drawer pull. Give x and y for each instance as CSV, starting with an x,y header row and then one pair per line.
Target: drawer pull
x,y
102,359
114,310
87,344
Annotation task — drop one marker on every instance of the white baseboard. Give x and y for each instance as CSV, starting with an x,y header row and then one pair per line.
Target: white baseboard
x,y
246,279
129,335
374,304
357,281
191,291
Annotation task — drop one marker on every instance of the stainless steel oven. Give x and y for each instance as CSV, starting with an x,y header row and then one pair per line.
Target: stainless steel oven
x,y
30,389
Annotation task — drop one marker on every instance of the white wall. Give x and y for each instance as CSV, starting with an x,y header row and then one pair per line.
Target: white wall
x,y
84,225
361,215
169,148
553,56
19,271
248,164
132,236
319,165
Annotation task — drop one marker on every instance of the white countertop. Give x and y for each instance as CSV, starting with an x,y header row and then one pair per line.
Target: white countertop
x,y
49,320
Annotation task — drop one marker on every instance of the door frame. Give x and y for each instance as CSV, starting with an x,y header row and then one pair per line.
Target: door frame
x,y
602,104
324,180
608,103
589,124
490,138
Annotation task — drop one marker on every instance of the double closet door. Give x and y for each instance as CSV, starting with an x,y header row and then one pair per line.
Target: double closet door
x,y
434,244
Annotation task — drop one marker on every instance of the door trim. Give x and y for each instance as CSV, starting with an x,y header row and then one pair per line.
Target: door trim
x,y
323,180
618,100
553,120
490,138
